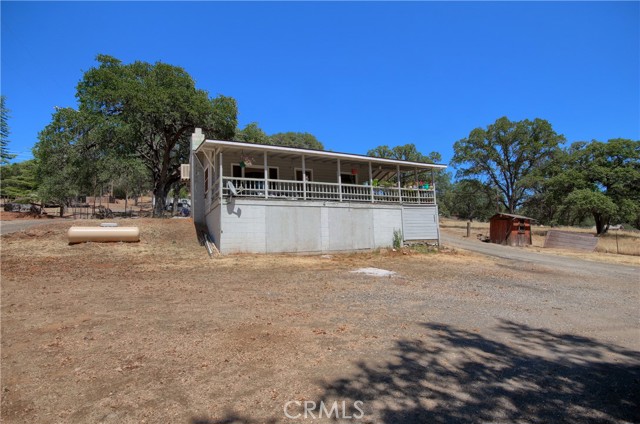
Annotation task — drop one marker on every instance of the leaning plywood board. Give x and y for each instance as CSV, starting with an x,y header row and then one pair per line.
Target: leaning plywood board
x,y
570,240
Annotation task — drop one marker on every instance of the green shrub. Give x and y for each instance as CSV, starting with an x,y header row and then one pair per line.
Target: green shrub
x,y
397,239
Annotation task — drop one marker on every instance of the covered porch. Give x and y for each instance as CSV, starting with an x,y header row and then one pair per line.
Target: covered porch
x,y
243,170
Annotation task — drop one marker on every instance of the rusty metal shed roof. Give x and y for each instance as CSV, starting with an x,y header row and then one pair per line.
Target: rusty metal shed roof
x,y
511,216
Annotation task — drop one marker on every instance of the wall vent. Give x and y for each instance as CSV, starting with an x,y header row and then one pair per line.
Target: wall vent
x,y
185,171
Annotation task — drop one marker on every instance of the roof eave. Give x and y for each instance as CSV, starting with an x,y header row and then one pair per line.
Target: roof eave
x,y
311,152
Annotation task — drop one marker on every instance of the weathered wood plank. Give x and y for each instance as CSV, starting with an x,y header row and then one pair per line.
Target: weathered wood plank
x,y
568,240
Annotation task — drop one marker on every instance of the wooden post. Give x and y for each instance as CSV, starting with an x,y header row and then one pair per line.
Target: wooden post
x,y
304,179
266,176
433,187
469,229
371,182
399,184
339,182
221,186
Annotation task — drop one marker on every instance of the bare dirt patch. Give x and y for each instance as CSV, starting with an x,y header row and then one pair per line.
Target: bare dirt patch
x,y
156,331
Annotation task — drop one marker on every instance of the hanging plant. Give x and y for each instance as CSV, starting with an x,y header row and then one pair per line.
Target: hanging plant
x,y
246,161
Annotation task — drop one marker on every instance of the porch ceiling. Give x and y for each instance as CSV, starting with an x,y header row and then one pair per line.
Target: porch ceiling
x,y
313,155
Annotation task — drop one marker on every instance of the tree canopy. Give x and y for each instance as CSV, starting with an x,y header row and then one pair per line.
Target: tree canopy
x,y
301,140
19,180
408,152
252,133
605,182
505,153
67,157
471,199
5,156
143,110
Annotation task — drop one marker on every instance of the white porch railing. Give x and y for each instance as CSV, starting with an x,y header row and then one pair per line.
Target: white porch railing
x,y
311,190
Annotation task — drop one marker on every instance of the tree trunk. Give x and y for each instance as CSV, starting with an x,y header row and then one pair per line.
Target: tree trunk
x,y
512,206
602,224
176,196
160,194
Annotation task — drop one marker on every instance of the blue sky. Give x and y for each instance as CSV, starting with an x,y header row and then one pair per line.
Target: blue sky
x,y
356,75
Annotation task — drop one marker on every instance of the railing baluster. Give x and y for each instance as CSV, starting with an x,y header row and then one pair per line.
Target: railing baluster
x,y
252,187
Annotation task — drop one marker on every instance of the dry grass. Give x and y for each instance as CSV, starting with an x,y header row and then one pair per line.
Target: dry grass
x,y
619,242
157,332
624,243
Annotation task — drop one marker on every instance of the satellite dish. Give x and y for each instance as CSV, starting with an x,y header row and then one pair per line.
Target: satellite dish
x,y
232,188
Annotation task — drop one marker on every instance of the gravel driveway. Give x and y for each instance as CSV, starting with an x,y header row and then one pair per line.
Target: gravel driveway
x,y
8,227
569,264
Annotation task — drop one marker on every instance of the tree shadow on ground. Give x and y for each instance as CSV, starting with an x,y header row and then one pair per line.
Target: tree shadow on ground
x,y
230,418
531,375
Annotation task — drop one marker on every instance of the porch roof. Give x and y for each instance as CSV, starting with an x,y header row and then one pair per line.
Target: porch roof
x,y
220,145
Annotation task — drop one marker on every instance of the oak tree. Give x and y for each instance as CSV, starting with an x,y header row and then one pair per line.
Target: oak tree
x,y
504,154
148,111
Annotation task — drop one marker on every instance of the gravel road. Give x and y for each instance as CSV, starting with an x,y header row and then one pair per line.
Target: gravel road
x,y
560,263
8,227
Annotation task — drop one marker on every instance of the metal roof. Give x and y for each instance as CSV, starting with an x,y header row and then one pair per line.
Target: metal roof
x,y
212,144
509,215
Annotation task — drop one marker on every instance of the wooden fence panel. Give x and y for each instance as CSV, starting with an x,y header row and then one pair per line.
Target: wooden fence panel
x,y
570,240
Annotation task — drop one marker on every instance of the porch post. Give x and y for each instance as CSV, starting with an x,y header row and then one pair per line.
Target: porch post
x,y
415,181
339,182
221,174
433,186
399,183
266,176
304,179
214,163
371,182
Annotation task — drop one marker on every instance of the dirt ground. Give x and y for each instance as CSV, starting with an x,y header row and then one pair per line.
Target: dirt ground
x,y
157,331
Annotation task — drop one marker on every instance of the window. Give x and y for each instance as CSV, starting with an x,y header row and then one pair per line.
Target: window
x,y
348,178
307,172
521,227
206,181
253,172
273,173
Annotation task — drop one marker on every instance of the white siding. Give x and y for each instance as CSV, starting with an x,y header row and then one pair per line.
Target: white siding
x,y
420,223
323,170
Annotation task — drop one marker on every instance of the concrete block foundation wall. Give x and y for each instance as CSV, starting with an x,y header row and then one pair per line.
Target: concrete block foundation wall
x,y
270,226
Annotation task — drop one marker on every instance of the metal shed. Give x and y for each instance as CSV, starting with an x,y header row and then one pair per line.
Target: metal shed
x,y
509,229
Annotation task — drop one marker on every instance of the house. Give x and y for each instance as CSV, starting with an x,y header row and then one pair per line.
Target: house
x,y
265,199
509,229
